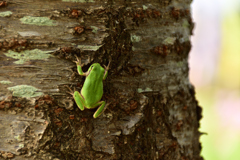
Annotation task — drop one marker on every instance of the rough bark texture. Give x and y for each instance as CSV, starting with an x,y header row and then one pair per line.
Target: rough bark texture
x,y
151,110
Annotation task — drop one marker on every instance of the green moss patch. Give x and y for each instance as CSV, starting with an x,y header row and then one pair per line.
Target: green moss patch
x,y
5,14
25,91
5,82
88,47
40,21
27,55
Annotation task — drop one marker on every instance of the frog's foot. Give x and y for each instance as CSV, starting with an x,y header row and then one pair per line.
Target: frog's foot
x,y
100,110
78,61
107,67
71,91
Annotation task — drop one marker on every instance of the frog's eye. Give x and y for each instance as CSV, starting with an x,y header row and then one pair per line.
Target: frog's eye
x,y
92,67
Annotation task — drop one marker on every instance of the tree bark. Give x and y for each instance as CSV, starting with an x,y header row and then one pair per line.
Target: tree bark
x,y
151,110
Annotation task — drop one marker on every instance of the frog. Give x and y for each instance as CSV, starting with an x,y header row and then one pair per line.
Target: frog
x,y
92,90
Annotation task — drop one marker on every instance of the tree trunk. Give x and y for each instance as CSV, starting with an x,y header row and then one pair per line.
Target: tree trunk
x,y
151,110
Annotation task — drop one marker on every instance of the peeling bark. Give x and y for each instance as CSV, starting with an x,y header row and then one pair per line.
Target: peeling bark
x,y
151,110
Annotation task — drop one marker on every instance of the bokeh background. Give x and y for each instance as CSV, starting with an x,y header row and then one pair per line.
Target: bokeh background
x,y
215,73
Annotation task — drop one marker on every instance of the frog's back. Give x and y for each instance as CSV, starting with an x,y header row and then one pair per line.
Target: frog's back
x,y
92,90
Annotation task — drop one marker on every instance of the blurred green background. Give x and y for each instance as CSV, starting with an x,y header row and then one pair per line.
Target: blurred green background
x,y
215,73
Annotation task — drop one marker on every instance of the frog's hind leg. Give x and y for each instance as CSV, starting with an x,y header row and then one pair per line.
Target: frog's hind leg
x,y
79,100
100,109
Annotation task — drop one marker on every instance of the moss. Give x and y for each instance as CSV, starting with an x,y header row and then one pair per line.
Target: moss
x,y
135,38
5,14
94,29
133,49
185,24
21,145
89,48
29,33
25,91
145,7
18,137
40,21
148,89
169,40
27,55
140,90
5,82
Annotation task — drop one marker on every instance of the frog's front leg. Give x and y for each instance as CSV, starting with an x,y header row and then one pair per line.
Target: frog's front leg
x,y
79,67
100,109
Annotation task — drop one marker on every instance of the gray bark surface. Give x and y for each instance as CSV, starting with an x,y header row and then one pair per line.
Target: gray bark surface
x,y
151,110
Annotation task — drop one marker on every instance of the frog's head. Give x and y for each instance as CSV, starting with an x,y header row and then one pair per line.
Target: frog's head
x,y
94,67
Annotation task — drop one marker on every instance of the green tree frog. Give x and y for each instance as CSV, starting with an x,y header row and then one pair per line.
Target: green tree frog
x,y
92,90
